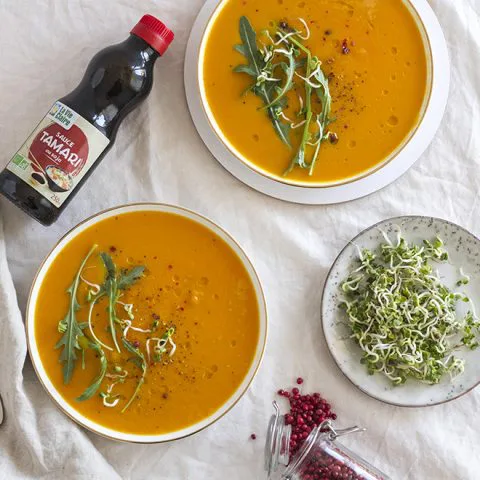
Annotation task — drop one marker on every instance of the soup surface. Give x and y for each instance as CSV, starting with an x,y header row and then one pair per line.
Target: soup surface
x,y
193,287
371,51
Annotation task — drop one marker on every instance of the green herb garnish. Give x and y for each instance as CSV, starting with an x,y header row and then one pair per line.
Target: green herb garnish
x,y
70,328
281,65
260,69
112,288
140,362
403,317
73,338
320,86
161,345
91,390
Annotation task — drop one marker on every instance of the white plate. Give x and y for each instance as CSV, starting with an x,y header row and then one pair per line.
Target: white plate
x,y
464,251
90,424
317,195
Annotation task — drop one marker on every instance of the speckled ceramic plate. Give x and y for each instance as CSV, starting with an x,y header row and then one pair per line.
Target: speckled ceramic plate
x,y
464,251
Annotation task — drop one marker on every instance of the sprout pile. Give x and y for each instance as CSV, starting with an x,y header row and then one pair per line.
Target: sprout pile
x,y
403,317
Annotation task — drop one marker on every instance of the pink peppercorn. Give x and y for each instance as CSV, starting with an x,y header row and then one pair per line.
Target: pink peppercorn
x,y
306,412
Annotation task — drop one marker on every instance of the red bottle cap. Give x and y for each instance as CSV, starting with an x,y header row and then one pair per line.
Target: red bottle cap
x,y
154,32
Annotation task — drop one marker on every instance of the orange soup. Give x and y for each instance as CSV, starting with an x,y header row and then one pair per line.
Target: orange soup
x,y
373,57
165,329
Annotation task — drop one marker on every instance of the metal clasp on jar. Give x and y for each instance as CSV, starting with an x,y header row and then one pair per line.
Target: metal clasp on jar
x,y
319,453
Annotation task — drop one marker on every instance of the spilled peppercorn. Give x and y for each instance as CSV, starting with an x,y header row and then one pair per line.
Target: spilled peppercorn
x,y
306,412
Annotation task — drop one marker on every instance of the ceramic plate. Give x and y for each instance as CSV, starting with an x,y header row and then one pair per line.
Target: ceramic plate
x,y
464,251
393,167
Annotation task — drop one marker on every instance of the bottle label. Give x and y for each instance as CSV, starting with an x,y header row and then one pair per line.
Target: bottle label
x,y
59,152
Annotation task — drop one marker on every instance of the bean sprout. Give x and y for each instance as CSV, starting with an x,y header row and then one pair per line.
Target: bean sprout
x,y
95,287
174,346
306,35
160,347
90,327
128,326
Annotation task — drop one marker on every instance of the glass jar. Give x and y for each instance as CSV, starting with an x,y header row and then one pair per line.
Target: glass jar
x,y
321,457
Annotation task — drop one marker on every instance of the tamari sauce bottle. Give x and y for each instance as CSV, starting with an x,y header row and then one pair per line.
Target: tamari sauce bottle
x,y
80,128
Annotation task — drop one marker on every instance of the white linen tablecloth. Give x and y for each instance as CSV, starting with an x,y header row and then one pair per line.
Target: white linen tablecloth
x,y
44,48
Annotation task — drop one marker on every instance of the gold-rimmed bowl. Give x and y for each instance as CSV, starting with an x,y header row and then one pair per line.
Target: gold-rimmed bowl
x,y
377,177
111,433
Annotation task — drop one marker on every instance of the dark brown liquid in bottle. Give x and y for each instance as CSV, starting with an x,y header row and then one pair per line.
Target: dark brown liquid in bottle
x,y
117,79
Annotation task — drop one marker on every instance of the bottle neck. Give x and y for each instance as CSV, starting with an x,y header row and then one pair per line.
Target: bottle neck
x,y
146,51
116,80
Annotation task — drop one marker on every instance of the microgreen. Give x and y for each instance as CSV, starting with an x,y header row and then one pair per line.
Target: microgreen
x,y
161,345
403,317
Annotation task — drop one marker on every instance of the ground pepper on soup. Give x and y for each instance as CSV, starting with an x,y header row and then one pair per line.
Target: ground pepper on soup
x,y
374,58
165,329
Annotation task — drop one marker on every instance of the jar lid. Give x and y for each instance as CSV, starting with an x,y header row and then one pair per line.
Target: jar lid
x,y
154,32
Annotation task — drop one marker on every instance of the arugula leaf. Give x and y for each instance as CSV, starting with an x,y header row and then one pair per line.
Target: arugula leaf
x,y
70,328
282,129
289,70
245,69
90,391
255,68
323,95
323,119
274,78
299,158
249,48
140,362
112,285
109,265
129,277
